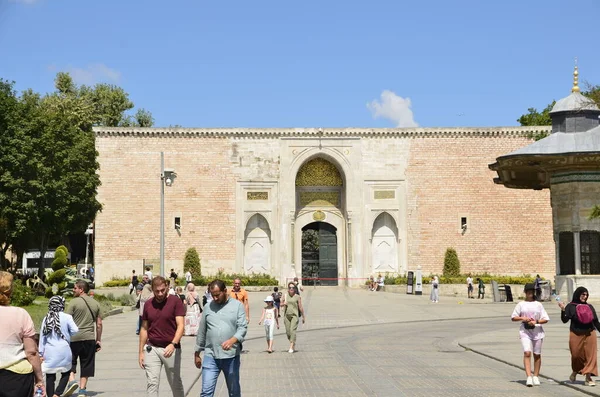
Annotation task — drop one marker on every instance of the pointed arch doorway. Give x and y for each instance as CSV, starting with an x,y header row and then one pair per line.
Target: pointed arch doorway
x,y
319,253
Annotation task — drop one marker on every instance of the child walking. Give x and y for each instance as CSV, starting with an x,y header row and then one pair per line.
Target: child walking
x,y
277,300
55,337
270,315
532,315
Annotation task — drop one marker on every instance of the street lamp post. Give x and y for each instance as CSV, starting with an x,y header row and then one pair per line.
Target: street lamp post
x,y
167,177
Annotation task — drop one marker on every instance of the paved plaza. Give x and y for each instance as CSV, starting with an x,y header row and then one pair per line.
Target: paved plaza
x,y
361,343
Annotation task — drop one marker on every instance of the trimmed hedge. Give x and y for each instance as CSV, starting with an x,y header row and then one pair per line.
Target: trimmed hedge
x,y
258,280
117,283
487,279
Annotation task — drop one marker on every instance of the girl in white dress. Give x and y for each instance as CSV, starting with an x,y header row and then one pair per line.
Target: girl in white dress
x,y
531,314
270,315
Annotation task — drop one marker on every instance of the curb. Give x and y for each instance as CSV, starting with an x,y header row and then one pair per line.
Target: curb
x,y
560,382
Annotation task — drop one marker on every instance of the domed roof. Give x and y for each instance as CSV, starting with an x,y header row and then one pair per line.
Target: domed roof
x,y
574,102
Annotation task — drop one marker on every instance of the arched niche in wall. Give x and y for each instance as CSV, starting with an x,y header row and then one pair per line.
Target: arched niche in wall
x,y
384,244
257,245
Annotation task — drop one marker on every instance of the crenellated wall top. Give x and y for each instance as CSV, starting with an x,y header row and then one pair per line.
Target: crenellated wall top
x,y
322,132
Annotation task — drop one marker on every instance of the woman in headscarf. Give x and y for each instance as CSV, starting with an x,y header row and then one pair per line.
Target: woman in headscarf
x,y
55,338
20,365
145,296
434,296
582,335
193,311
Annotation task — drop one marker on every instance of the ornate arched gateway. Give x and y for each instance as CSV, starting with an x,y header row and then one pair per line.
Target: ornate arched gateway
x,y
320,221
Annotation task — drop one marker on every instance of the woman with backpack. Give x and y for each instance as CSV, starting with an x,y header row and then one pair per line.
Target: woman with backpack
x,y
582,335
532,315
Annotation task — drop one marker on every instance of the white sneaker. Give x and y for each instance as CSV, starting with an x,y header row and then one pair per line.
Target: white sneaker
x,y
529,382
291,351
536,381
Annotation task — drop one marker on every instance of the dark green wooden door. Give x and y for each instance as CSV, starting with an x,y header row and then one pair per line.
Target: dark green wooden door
x,y
319,254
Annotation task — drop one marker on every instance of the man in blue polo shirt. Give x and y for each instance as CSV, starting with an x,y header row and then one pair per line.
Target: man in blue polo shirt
x,y
222,331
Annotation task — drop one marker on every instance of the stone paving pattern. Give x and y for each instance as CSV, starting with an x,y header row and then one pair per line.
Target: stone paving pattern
x,y
361,343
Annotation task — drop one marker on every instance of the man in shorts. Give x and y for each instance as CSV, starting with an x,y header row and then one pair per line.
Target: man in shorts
x,y
84,344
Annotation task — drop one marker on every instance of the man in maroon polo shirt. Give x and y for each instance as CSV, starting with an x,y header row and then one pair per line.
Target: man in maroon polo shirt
x,y
160,334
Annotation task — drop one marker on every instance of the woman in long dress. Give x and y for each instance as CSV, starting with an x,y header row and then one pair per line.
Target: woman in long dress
x,y
193,311
293,309
582,335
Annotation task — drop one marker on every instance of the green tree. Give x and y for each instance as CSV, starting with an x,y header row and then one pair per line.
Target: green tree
x,y
533,117
451,263
48,166
191,263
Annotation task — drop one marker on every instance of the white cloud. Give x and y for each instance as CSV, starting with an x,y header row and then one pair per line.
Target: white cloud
x,y
94,73
394,108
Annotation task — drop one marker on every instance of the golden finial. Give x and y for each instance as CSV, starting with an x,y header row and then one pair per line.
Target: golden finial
x,y
575,78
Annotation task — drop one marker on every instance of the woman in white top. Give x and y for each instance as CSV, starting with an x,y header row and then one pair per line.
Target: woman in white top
x,y
531,315
435,290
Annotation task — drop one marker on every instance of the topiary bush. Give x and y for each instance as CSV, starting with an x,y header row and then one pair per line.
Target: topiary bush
x,y
56,277
191,263
451,263
63,249
60,259
21,294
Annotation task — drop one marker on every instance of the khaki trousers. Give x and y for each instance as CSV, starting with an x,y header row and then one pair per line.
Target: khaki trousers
x,y
291,325
154,360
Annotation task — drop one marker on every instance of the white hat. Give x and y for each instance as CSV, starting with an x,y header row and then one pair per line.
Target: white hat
x,y
269,299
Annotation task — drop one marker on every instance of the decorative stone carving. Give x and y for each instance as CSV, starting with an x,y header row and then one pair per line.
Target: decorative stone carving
x,y
385,194
257,195
319,172
319,216
320,199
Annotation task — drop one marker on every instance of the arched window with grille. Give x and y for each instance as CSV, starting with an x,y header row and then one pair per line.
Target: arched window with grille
x,y
590,252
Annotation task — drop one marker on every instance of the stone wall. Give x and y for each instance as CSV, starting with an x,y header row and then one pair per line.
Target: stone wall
x,y
128,228
436,180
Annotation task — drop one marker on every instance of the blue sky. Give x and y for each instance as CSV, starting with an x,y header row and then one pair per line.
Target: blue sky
x,y
310,63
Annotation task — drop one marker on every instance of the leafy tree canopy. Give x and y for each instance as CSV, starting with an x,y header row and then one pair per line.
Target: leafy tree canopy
x,y
48,166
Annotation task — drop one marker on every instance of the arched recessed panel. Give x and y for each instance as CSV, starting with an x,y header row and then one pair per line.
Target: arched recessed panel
x,y
319,172
384,244
257,247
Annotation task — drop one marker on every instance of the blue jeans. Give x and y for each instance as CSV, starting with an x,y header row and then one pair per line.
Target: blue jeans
x,y
212,367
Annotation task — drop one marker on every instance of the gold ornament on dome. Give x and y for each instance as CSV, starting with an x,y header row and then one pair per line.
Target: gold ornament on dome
x,y
257,195
320,199
319,172
319,216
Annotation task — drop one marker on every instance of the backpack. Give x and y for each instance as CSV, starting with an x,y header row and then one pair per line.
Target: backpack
x,y
584,314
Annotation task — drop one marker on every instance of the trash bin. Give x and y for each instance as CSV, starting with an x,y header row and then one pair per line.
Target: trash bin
x,y
502,293
410,282
508,293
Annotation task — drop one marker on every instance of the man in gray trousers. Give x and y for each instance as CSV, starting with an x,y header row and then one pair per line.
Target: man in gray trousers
x,y
160,336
